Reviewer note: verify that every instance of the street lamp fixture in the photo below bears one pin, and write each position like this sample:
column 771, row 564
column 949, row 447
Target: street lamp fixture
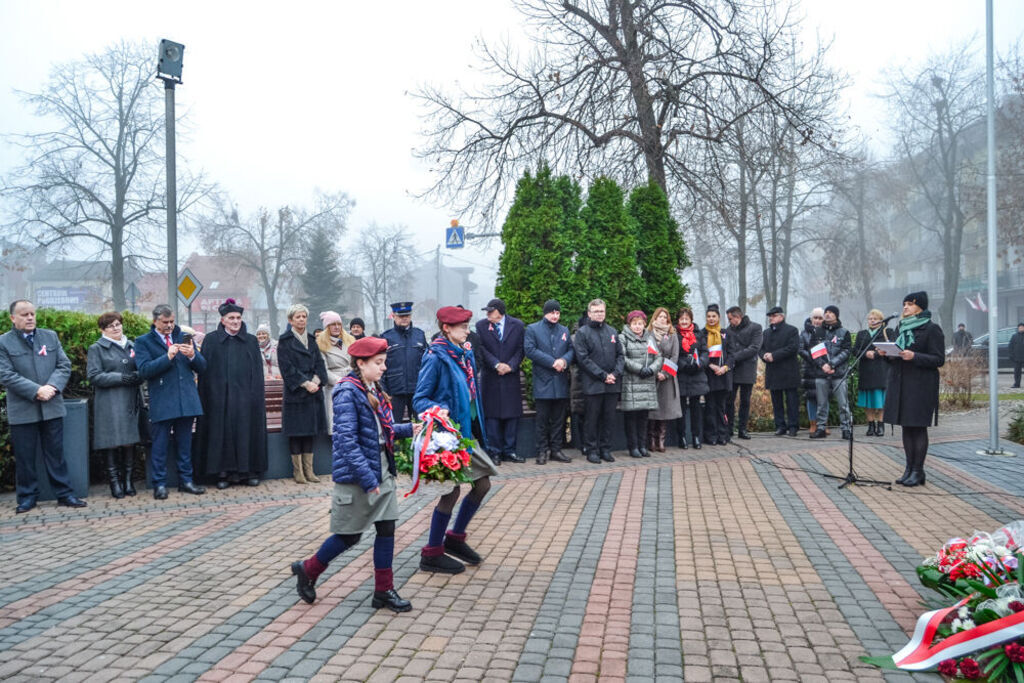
column 168, row 69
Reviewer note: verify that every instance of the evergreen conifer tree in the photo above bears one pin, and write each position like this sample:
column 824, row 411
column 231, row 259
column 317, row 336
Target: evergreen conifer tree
column 661, row 253
column 321, row 280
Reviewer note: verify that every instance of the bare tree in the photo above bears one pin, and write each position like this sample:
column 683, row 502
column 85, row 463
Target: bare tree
column 272, row 243
column 615, row 87
column 936, row 108
column 97, row 180
column 384, row 256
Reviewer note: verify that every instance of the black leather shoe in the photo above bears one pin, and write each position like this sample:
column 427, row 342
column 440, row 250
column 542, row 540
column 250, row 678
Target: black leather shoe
column 512, row 457
column 25, row 505
column 635, row 453
column 592, row 457
column 847, row 434
column 682, row 443
column 743, row 435
column 222, row 484
column 189, row 487
column 441, row 564
column 820, row 434
column 71, row 501
column 559, row 456
column 607, row 456
column 696, row 443
column 252, row 482
column 644, row 453
column 390, row 599
column 461, row 550
column 305, row 587
column 160, row 493
column 781, row 431
column 793, row 431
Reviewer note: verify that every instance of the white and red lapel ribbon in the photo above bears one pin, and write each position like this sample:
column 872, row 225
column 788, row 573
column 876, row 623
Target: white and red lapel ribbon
column 421, row 442
column 919, row 654
column 42, row 351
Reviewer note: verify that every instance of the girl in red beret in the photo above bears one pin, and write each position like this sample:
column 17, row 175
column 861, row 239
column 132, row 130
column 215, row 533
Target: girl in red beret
column 447, row 380
column 364, row 472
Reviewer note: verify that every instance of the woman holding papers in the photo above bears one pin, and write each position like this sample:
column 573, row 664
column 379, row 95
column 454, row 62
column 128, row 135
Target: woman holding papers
column 693, row 382
column 716, row 429
column 912, row 393
column 873, row 371
column 668, row 388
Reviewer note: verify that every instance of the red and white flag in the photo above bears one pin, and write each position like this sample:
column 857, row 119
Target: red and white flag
column 715, row 351
column 670, row 368
column 652, row 348
column 819, row 350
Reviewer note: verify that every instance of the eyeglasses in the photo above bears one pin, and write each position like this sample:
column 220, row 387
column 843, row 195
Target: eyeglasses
column 116, row 323
column 817, row 317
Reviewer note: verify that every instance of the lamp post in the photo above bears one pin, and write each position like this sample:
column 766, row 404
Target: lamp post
column 168, row 69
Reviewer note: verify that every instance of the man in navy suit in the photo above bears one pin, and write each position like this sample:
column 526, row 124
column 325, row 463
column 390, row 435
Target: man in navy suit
column 501, row 348
column 167, row 362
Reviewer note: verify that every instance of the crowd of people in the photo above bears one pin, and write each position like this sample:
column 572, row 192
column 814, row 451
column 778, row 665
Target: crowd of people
column 367, row 391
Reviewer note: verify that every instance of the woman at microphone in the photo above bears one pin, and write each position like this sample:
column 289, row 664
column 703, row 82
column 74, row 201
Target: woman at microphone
column 912, row 392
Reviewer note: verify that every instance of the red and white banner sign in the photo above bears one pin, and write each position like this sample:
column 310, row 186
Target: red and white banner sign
column 670, row 368
column 819, row 350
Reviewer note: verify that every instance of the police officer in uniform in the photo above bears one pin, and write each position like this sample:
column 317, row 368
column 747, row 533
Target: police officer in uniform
column 406, row 345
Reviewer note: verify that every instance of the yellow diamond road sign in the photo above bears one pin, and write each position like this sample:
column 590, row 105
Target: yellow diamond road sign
column 189, row 287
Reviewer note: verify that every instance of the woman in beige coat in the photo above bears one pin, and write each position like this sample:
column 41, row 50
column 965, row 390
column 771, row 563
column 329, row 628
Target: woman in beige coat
column 669, row 407
column 334, row 341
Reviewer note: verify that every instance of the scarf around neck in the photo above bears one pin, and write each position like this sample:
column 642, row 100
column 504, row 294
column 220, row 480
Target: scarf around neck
column 459, row 356
column 122, row 342
column 907, row 327
column 688, row 337
column 660, row 331
column 383, row 410
column 714, row 334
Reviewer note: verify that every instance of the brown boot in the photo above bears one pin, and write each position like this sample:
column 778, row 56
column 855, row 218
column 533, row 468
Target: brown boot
column 307, row 468
column 662, row 428
column 652, row 435
column 297, row 470
column 814, row 426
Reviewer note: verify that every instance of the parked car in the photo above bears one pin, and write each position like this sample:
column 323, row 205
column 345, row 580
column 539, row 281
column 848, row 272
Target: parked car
column 980, row 346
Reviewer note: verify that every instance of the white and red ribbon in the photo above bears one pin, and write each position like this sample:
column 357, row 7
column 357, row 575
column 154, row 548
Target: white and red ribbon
column 421, row 442
column 919, row 654
column 42, row 351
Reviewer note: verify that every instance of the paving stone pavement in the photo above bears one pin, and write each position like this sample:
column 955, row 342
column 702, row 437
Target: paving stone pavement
column 734, row 563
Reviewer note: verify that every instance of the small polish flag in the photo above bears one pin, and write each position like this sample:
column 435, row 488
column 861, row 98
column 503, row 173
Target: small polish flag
column 670, row 368
column 715, row 351
column 652, row 348
column 42, row 351
column 819, row 350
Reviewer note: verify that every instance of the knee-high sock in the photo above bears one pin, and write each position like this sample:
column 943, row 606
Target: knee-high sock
column 466, row 512
column 383, row 552
column 331, row 548
column 438, row 525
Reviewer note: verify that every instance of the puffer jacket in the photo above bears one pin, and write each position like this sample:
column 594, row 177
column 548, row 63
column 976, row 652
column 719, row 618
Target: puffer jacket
column 356, row 443
column 639, row 393
column 809, row 338
column 839, row 343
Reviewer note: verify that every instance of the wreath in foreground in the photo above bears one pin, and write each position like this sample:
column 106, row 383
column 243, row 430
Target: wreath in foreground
column 438, row 453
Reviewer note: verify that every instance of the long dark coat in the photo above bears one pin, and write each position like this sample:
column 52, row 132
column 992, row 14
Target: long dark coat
column 912, row 394
column 233, row 429
column 502, row 394
column 720, row 382
column 546, row 342
column 115, row 405
column 809, row 338
column 783, row 342
column 693, row 381
column 873, row 373
column 746, row 343
column 599, row 352
column 303, row 413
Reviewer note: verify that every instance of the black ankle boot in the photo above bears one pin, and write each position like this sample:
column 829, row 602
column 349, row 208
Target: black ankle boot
column 871, row 429
column 127, row 464
column 906, row 471
column 116, row 488
column 916, row 477
column 392, row 600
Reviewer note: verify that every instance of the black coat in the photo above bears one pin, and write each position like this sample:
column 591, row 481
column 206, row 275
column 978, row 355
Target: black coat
column 1017, row 347
column 912, row 393
column 303, row 413
column 502, row 394
column 783, row 342
column 809, row 338
column 720, row 382
column 546, row 342
column 873, row 373
column 746, row 343
column 839, row 343
column 233, row 428
column 691, row 376
column 599, row 352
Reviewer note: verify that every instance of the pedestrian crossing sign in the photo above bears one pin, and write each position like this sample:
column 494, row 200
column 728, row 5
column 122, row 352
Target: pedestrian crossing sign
column 455, row 237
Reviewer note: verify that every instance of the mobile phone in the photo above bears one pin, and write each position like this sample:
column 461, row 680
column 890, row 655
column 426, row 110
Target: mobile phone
column 186, row 339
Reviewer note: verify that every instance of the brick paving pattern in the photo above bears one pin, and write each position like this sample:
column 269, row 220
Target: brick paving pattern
column 736, row 563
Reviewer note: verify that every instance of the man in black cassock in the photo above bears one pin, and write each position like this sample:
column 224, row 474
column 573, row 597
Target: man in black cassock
column 233, row 429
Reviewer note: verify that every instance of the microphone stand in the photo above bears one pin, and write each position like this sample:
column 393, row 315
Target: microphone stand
column 851, row 476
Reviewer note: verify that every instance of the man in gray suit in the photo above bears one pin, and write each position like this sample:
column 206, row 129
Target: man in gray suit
column 34, row 370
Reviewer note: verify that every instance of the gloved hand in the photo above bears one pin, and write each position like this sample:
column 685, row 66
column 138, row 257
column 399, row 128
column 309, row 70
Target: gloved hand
column 646, row 372
column 131, row 378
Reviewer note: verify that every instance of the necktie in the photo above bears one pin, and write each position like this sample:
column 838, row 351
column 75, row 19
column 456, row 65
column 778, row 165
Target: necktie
column 167, row 339
column 30, row 339
column 499, row 332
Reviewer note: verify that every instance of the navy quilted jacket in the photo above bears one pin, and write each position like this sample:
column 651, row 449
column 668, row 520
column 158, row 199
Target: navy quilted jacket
column 356, row 447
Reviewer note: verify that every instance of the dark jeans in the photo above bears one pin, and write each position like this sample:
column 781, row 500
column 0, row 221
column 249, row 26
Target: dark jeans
column 550, row 423
column 715, row 426
column 597, row 424
column 691, row 405
column 501, row 434
column 161, row 432
column 25, row 438
column 1017, row 367
column 636, row 428
column 400, row 403
column 786, row 406
column 744, row 418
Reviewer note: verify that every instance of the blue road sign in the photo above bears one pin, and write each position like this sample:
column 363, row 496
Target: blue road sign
column 455, row 238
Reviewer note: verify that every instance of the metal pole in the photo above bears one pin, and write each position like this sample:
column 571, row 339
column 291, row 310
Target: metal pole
column 437, row 271
column 993, row 292
column 172, row 201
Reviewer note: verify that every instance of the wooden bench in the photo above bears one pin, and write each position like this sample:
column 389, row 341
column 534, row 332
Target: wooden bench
column 274, row 390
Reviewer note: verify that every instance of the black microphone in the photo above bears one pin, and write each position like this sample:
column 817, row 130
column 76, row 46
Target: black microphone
column 894, row 315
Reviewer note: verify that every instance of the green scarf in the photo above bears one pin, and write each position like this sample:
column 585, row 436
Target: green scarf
column 907, row 325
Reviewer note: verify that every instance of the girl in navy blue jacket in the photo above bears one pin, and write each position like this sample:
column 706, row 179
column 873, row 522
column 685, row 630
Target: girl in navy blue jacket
column 448, row 380
column 364, row 475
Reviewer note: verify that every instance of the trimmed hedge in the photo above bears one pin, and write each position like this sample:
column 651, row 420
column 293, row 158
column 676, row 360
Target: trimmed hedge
column 77, row 331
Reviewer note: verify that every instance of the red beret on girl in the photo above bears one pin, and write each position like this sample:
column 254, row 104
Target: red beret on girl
column 453, row 315
column 367, row 347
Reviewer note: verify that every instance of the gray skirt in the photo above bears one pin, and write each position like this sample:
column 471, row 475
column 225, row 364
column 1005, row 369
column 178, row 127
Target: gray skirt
column 480, row 465
column 354, row 511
